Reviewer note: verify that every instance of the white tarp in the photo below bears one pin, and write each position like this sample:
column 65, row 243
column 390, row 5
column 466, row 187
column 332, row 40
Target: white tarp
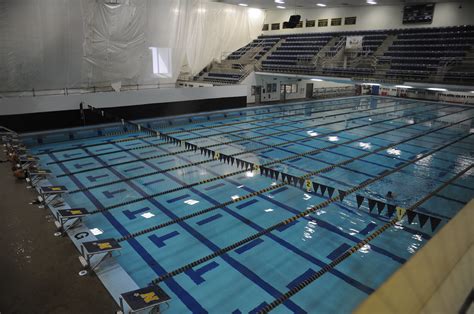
column 53, row 44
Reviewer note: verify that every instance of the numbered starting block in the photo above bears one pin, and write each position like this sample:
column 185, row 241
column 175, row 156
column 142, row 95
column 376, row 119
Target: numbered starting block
column 91, row 248
column 36, row 175
column 148, row 298
column 27, row 161
column 50, row 195
column 72, row 214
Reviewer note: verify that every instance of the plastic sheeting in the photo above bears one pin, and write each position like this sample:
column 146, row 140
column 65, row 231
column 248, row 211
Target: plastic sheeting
column 53, row 44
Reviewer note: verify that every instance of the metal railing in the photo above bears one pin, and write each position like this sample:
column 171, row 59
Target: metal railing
column 82, row 90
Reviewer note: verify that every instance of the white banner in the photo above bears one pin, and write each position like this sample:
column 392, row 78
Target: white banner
column 354, row 42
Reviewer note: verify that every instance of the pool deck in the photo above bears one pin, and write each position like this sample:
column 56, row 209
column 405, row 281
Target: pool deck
column 39, row 271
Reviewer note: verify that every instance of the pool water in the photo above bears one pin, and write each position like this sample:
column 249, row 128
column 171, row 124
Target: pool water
column 254, row 274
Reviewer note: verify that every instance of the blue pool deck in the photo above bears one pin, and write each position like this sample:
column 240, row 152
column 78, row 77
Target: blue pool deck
column 254, row 274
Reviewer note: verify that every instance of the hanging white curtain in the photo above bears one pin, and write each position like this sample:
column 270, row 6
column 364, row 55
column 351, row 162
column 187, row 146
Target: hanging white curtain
column 55, row 44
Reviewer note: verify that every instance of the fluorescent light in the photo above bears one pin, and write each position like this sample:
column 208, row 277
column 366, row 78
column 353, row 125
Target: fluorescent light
column 320, row 4
column 371, row 2
column 317, row 80
column 280, row 7
column 472, row 92
column 437, row 89
column 375, row 84
column 403, row 86
column 279, row 1
column 243, row 4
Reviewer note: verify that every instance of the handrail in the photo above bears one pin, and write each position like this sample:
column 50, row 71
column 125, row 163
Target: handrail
column 82, row 90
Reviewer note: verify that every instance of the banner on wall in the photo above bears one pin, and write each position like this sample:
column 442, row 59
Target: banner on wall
column 354, row 42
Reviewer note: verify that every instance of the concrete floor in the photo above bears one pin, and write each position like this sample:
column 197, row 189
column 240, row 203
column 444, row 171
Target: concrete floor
column 38, row 272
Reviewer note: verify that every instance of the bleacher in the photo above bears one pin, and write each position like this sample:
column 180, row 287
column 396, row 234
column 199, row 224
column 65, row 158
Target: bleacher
column 429, row 54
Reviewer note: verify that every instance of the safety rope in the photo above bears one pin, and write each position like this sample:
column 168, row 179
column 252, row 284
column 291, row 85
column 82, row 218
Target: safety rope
column 301, row 285
column 245, row 152
column 339, row 197
column 298, row 180
column 104, row 114
column 223, row 133
column 236, row 141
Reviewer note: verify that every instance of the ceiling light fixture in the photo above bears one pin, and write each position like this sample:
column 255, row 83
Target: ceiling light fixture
column 371, row 2
column 316, row 80
column 280, row 7
column 243, row 4
column 279, row 1
column 320, row 4
column 403, row 86
column 436, row 89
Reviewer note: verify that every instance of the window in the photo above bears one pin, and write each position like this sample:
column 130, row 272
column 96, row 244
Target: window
column 289, row 88
column 323, row 23
column 265, row 27
column 271, row 88
column 336, row 21
column 351, row 20
column 161, row 57
column 310, row 23
column 275, row 26
column 300, row 24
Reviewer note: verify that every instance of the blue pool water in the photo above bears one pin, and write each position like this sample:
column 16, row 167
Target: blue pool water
column 256, row 273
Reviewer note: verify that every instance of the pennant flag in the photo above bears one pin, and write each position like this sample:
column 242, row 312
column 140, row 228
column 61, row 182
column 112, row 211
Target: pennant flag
column 283, row 177
column 400, row 213
column 309, row 185
column 434, row 222
column 342, row 194
column 301, row 181
column 380, row 207
column 266, row 172
column 330, row 191
column 201, row 150
column 277, row 174
column 360, row 200
column 423, row 219
column 272, row 173
column 371, row 204
column 237, row 162
column 315, row 187
column 323, row 189
column 390, row 210
column 411, row 215
column 262, row 170
column 232, row 159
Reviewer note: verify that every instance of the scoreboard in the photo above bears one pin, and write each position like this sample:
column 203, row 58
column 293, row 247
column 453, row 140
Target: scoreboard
column 420, row 13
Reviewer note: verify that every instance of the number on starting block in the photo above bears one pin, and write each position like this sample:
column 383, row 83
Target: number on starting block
column 145, row 298
column 101, row 246
column 73, row 212
column 55, row 189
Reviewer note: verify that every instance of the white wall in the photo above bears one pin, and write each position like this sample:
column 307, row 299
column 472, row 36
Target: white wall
column 20, row 105
column 371, row 17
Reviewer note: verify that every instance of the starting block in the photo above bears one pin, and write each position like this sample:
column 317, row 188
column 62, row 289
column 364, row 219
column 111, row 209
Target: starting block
column 26, row 161
column 48, row 194
column 65, row 215
column 148, row 298
column 91, row 248
column 36, row 175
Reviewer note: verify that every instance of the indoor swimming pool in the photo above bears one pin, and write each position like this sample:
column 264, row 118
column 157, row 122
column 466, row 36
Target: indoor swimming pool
column 228, row 176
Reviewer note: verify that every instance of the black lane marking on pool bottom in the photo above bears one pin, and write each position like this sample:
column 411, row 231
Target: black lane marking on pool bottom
column 187, row 299
column 285, row 178
column 148, row 136
column 280, row 241
column 229, row 142
column 304, row 282
column 232, row 156
column 241, row 130
column 239, row 267
column 263, row 168
column 339, row 197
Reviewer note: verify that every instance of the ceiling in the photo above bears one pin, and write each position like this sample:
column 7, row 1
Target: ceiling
column 290, row 4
